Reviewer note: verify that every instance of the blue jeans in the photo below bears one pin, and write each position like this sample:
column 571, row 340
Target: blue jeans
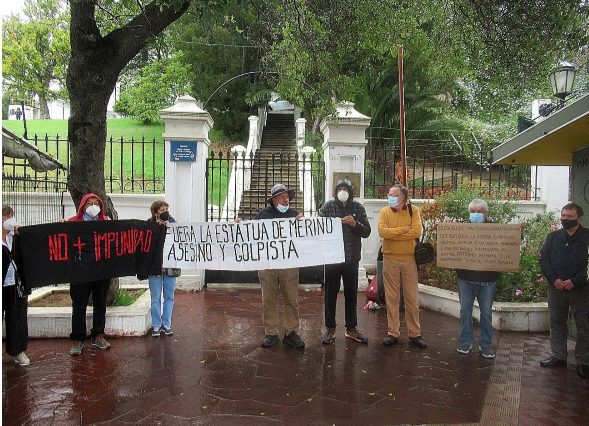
column 156, row 282
column 484, row 292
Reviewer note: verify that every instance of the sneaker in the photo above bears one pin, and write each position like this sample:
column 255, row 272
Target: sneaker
column 76, row 347
column 22, row 359
column 329, row 336
column 269, row 340
column 168, row 330
column 487, row 351
column 100, row 342
column 354, row 334
column 464, row 348
column 293, row 340
column 156, row 332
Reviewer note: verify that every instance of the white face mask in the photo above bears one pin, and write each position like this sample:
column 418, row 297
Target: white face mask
column 343, row 196
column 93, row 211
column 9, row 224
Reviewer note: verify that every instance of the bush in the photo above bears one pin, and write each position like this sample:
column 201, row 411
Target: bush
column 528, row 285
column 123, row 298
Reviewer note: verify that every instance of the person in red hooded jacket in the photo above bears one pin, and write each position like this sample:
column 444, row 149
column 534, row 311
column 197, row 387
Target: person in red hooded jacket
column 91, row 208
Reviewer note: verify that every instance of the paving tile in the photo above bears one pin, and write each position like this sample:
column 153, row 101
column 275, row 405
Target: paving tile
column 212, row 371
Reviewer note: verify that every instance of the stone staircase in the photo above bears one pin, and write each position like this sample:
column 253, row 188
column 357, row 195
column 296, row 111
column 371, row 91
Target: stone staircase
column 275, row 162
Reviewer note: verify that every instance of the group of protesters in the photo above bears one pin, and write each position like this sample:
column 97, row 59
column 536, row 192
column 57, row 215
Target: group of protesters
column 564, row 262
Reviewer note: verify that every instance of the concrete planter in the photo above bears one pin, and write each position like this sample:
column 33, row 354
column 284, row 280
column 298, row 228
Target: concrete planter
column 133, row 320
column 506, row 316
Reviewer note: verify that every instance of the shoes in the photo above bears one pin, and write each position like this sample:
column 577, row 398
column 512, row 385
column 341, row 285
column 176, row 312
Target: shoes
column 553, row 362
column 487, row 351
column 156, row 332
column 23, row 359
column 270, row 340
column 293, row 340
column 418, row 341
column 329, row 336
column 168, row 330
column 390, row 340
column 464, row 348
column 76, row 347
column 582, row 370
column 99, row 342
column 354, row 334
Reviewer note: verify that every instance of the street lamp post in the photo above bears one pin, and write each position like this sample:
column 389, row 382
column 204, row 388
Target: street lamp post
column 562, row 80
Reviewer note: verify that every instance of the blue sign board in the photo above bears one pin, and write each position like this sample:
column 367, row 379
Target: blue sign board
column 182, row 151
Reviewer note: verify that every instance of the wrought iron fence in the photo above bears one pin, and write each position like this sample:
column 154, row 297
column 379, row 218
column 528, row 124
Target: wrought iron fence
column 238, row 184
column 135, row 166
column 435, row 167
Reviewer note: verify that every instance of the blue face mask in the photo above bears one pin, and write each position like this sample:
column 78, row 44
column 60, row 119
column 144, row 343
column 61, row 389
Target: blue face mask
column 393, row 201
column 477, row 218
column 281, row 208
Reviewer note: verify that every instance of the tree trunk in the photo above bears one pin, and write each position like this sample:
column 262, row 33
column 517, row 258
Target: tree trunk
column 44, row 109
column 94, row 68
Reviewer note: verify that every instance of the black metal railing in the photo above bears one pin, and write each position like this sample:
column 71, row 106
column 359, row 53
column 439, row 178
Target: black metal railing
column 135, row 166
column 238, row 184
column 436, row 167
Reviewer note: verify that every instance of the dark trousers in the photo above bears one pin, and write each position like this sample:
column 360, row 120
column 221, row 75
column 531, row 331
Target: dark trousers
column 80, row 294
column 559, row 302
column 333, row 273
column 14, row 309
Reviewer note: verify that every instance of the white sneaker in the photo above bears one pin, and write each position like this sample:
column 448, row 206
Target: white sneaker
column 22, row 359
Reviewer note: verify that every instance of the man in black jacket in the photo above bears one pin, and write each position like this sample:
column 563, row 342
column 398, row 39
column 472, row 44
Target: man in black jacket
column 564, row 261
column 355, row 227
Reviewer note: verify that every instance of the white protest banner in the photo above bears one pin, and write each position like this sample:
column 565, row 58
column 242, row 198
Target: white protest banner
column 255, row 244
column 479, row 247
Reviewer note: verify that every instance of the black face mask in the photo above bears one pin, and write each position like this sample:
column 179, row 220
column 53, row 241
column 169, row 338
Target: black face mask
column 568, row 223
column 164, row 216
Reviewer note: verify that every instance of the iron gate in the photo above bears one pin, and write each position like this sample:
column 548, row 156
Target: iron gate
column 238, row 186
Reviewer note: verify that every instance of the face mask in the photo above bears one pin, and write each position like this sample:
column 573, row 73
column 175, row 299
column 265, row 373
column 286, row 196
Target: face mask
column 477, row 218
column 281, row 208
column 393, row 201
column 568, row 223
column 343, row 196
column 165, row 216
column 9, row 224
column 93, row 211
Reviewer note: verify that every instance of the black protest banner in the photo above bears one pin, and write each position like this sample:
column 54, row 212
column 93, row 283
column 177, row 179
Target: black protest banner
column 88, row 251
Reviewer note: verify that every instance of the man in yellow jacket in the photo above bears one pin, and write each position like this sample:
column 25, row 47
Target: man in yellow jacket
column 399, row 227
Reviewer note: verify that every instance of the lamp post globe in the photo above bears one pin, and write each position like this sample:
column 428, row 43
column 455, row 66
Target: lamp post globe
column 562, row 79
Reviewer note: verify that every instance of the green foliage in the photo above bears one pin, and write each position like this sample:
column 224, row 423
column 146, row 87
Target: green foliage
column 454, row 204
column 217, row 51
column 36, row 51
column 528, row 285
column 123, row 298
column 157, row 87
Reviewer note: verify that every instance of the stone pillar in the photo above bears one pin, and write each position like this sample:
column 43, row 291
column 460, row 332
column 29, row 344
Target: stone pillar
column 300, row 127
column 344, row 144
column 185, row 181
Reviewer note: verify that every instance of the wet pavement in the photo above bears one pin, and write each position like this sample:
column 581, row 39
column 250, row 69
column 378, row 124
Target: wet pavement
column 212, row 371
